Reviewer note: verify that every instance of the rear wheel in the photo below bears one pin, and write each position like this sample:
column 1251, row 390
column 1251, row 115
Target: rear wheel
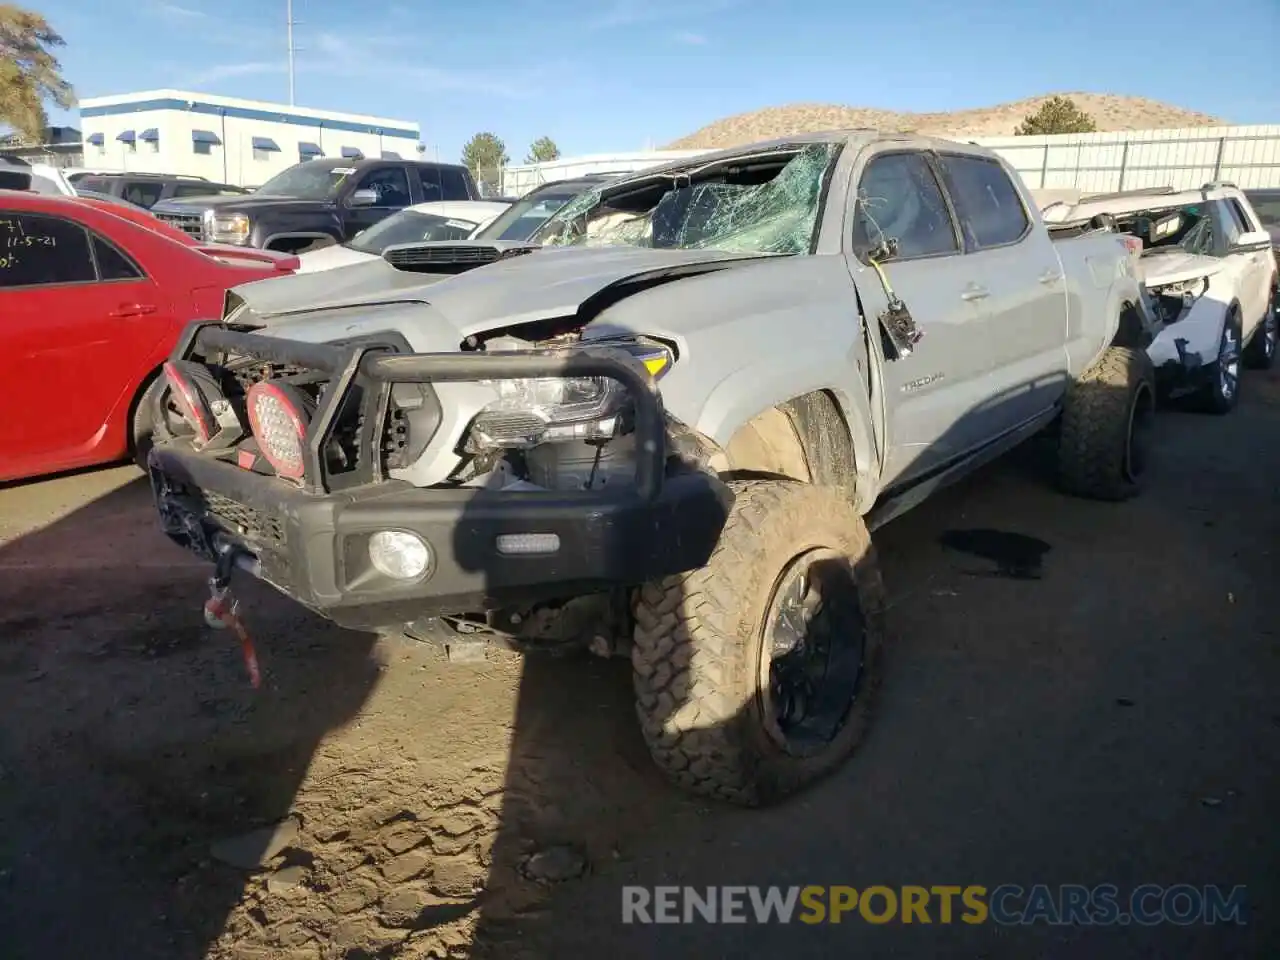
column 1102, row 445
column 754, row 674
column 155, row 418
column 1261, row 352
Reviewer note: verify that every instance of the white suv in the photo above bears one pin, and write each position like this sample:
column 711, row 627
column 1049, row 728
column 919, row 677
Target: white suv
column 1207, row 265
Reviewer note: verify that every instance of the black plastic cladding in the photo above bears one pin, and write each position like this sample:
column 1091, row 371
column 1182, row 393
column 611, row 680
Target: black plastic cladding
column 346, row 362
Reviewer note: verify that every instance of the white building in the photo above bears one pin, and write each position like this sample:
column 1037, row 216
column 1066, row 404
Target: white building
column 229, row 140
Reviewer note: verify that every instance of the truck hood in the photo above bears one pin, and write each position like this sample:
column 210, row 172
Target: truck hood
column 536, row 286
column 1161, row 268
column 250, row 204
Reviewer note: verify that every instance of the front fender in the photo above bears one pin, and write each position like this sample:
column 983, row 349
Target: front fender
column 758, row 387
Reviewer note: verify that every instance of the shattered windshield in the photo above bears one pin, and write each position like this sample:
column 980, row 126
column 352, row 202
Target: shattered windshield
column 1188, row 229
column 751, row 204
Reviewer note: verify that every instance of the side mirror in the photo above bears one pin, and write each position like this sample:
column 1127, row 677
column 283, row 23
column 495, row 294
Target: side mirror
column 364, row 198
column 1253, row 240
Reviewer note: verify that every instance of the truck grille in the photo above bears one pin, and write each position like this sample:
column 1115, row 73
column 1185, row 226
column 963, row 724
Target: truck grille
column 189, row 223
column 250, row 523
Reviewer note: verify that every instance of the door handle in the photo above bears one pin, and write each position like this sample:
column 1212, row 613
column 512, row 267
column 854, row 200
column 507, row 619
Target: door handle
column 1050, row 276
column 131, row 310
column 975, row 292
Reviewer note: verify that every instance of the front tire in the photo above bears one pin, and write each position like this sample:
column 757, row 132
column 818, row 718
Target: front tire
column 1102, row 443
column 1221, row 391
column 754, row 674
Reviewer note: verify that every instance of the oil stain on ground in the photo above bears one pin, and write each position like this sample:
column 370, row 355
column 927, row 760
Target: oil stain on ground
column 1016, row 556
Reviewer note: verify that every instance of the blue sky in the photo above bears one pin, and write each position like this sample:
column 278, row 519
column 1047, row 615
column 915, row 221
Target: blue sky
column 621, row 74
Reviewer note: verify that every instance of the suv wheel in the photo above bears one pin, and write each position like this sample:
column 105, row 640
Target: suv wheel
column 1261, row 352
column 1102, row 446
column 1221, row 391
column 754, row 674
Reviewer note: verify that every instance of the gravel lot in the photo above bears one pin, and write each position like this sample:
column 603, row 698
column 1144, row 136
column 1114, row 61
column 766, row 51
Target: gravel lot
column 1101, row 707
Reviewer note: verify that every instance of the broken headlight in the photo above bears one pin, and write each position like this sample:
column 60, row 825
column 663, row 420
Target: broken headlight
column 559, row 409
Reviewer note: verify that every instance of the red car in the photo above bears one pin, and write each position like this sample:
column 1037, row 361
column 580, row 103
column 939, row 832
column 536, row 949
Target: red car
column 91, row 303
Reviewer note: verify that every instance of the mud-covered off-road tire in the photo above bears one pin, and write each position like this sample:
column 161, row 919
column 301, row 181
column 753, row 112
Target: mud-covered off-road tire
column 1100, row 445
column 699, row 643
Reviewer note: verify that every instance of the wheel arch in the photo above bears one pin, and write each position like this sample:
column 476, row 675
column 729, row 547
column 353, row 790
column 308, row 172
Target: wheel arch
column 806, row 438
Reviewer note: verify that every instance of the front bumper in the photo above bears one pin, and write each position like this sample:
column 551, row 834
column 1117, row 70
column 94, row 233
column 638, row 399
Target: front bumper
column 312, row 543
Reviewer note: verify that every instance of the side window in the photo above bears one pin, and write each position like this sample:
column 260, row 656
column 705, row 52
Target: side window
column 112, row 263
column 432, row 187
column 39, row 250
column 987, row 204
column 94, row 184
column 1231, row 225
column 899, row 199
column 145, row 193
column 455, row 184
column 391, row 185
column 1246, row 224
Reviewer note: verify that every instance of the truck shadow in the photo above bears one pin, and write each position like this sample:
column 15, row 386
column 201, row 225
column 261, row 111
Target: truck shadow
column 133, row 748
column 600, row 806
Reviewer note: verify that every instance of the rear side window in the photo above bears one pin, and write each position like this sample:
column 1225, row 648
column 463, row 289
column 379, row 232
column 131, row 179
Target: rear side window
column 1246, row 225
column 987, row 203
column 899, row 199
column 143, row 192
column 112, row 264
column 432, row 188
column 454, row 184
column 94, row 185
column 38, row 250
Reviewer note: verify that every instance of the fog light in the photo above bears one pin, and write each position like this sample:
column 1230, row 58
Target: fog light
column 527, row 543
column 399, row 555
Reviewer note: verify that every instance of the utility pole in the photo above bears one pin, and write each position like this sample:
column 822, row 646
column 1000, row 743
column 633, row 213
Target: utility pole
column 288, row 16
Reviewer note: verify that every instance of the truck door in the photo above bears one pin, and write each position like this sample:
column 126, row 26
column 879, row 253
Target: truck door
column 1013, row 260
column 381, row 192
column 932, row 396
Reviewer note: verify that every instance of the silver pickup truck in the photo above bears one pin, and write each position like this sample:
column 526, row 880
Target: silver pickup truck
column 674, row 415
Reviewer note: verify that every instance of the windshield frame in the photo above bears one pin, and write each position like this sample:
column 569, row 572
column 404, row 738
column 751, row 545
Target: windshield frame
column 309, row 168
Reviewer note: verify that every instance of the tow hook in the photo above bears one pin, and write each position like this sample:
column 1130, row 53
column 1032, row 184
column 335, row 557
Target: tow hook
column 221, row 610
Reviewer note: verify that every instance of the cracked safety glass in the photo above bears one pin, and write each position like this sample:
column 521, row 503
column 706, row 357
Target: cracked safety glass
column 763, row 204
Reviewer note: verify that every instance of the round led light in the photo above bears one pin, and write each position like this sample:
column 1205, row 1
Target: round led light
column 399, row 555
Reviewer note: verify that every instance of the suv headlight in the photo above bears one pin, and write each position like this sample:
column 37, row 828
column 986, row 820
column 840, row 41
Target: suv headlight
column 226, row 227
column 558, row 409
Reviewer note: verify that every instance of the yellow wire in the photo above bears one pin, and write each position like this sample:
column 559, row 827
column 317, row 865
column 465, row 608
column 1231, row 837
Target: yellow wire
column 884, row 280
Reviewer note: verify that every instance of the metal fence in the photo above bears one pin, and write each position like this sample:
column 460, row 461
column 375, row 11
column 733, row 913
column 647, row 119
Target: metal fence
column 1092, row 162
column 1127, row 160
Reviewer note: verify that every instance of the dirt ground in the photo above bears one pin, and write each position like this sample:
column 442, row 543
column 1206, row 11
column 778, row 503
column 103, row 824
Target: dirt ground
column 1093, row 699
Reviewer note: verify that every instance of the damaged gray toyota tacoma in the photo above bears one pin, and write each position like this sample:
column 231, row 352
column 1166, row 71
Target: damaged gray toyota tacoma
column 672, row 417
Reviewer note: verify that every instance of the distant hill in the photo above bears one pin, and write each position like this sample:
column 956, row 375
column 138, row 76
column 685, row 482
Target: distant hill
column 1109, row 111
